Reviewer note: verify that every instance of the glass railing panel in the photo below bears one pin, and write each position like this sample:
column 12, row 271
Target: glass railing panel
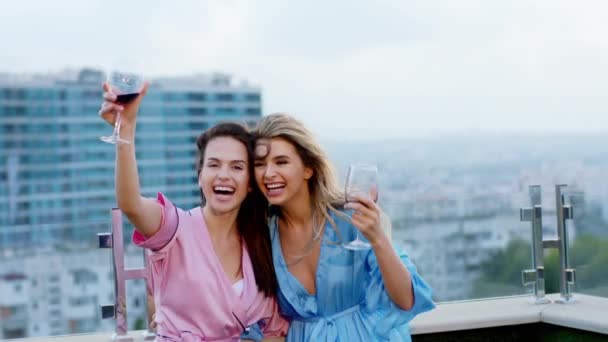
column 588, row 240
column 53, row 279
column 465, row 246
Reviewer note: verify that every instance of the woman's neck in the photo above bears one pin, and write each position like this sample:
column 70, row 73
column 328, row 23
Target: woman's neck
column 221, row 226
column 298, row 212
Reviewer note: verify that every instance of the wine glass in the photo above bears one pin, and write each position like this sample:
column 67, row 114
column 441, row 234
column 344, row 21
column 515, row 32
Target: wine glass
column 126, row 86
column 362, row 181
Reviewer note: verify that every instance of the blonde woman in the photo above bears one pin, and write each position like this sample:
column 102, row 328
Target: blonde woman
column 330, row 293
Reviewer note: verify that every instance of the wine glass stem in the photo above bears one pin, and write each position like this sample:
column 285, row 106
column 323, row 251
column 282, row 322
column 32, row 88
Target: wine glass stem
column 117, row 125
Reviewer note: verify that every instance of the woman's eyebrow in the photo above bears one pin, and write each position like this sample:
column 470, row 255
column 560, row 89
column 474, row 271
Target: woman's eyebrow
column 230, row 161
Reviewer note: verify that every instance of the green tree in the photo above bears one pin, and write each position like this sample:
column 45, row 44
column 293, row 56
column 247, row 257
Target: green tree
column 501, row 272
column 140, row 324
column 504, row 266
column 588, row 255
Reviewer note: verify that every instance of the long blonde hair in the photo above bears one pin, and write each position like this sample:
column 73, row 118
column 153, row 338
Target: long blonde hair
column 325, row 194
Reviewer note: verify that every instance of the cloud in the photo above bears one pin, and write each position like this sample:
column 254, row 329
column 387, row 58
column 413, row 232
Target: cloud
column 358, row 68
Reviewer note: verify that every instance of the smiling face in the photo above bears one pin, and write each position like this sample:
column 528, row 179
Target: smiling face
column 224, row 176
column 280, row 172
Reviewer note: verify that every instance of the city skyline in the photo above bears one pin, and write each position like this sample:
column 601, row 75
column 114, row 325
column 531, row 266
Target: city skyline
column 421, row 69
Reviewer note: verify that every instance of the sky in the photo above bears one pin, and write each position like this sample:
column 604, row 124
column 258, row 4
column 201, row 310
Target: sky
column 353, row 70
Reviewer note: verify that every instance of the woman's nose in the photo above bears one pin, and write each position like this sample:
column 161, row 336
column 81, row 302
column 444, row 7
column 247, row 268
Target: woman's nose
column 223, row 172
column 269, row 171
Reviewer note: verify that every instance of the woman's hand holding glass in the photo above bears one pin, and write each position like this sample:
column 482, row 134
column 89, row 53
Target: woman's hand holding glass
column 112, row 109
column 367, row 217
column 361, row 194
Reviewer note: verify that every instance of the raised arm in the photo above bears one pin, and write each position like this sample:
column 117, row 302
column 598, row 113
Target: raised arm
column 144, row 213
column 367, row 217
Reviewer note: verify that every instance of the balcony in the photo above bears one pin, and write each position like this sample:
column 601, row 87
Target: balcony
column 474, row 303
column 514, row 319
column 501, row 319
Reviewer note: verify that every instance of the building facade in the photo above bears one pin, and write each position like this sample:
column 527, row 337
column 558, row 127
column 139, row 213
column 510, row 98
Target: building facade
column 56, row 176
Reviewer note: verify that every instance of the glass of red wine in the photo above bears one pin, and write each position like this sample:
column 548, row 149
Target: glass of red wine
column 126, row 86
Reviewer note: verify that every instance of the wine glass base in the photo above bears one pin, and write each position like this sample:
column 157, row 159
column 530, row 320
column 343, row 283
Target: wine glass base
column 112, row 139
column 357, row 245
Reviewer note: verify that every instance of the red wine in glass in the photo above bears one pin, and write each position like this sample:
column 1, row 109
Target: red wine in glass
column 126, row 86
column 126, row 98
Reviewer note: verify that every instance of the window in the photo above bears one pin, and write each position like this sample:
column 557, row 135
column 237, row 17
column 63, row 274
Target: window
column 252, row 111
column 197, row 96
column 91, row 94
column 84, row 276
column 197, row 111
column 81, row 301
column 252, row 97
column 224, row 97
column 19, row 94
column 225, row 111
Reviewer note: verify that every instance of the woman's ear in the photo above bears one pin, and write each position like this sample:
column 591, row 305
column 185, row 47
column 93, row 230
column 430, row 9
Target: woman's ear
column 308, row 173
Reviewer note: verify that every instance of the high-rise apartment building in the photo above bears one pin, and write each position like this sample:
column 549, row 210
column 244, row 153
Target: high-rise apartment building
column 56, row 176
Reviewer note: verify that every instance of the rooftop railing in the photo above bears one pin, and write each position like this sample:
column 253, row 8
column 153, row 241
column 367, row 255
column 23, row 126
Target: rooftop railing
column 561, row 287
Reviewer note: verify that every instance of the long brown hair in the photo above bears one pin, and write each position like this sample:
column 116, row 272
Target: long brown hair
column 251, row 220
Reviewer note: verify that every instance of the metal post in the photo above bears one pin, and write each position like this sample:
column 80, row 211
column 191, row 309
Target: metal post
column 567, row 274
column 536, row 275
column 114, row 240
